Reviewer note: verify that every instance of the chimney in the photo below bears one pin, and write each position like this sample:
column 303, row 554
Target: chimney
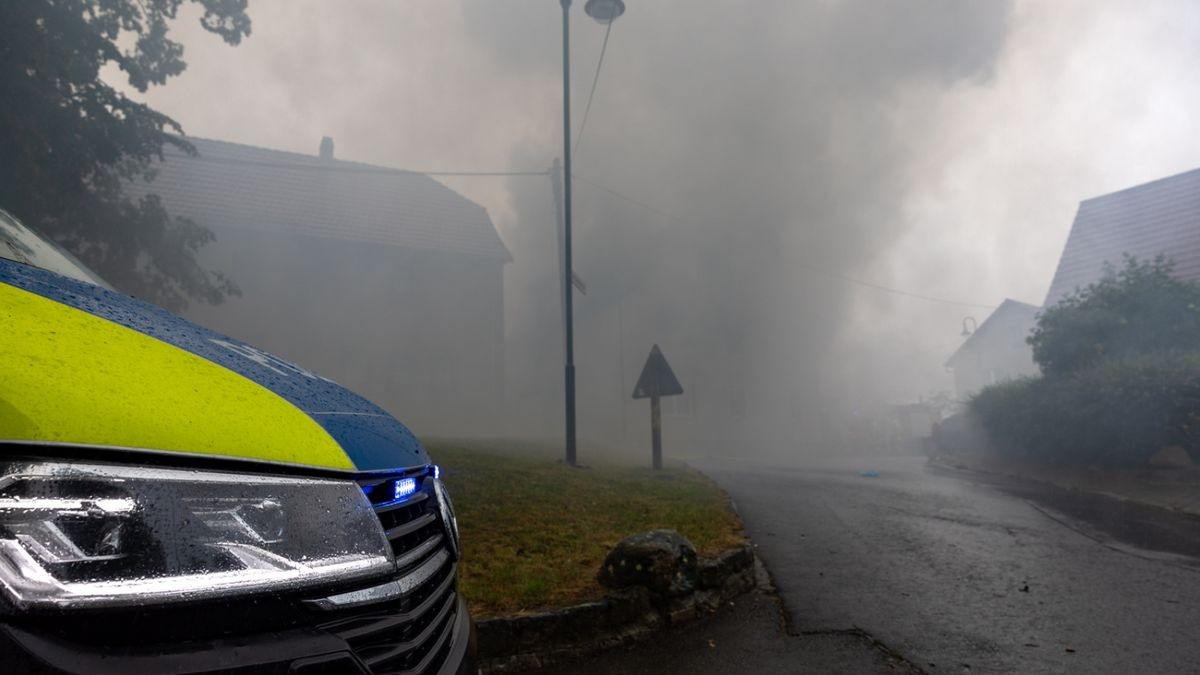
column 326, row 148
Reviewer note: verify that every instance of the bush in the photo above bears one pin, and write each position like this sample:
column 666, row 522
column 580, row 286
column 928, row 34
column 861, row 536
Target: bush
column 1138, row 310
column 1116, row 412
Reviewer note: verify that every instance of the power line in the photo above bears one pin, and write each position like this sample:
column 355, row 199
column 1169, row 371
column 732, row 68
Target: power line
column 595, row 79
column 895, row 291
column 809, row 268
column 366, row 169
column 342, row 167
column 482, row 173
column 631, row 200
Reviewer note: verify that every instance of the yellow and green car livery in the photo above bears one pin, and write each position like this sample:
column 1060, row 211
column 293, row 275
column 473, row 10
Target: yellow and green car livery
column 87, row 366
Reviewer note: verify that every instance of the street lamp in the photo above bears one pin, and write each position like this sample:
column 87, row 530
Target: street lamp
column 604, row 11
column 974, row 326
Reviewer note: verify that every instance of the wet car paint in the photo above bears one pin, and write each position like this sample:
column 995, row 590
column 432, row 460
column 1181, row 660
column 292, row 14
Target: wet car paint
column 370, row 438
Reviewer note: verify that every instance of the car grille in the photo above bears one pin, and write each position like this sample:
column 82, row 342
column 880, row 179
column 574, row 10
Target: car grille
column 404, row 625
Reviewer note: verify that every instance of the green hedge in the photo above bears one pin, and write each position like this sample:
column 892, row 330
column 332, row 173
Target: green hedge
column 1118, row 412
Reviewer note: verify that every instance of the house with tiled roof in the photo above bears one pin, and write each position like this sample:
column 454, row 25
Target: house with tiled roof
column 995, row 351
column 384, row 280
column 1161, row 217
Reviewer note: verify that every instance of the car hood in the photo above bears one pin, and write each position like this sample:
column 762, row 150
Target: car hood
column 83, row 365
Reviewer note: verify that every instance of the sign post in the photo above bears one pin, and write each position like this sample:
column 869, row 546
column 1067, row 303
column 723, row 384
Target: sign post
column 656, row 430
column 657, row 380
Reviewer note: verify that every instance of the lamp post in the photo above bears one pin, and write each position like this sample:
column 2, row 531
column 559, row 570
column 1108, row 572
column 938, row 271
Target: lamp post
column 603, row 11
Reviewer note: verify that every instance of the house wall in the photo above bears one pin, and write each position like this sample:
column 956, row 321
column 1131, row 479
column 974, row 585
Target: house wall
column 420, row 333
column 999, row 355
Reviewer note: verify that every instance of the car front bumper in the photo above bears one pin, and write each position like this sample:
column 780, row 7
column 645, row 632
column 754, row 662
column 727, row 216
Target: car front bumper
column 302, row 651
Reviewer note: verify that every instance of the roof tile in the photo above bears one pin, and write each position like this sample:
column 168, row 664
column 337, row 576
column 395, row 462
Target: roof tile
column 1160, row 217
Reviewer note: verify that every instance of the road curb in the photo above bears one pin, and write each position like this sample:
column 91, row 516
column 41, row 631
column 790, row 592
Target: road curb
column 960, row 466
column 531, row 641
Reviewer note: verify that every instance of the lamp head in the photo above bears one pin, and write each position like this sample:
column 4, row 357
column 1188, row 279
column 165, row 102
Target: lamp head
column 604, row 11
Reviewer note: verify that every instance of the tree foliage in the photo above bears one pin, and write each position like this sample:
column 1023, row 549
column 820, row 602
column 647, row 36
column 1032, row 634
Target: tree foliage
column 1121, row 374
column 1138, row 309
column 71, row 140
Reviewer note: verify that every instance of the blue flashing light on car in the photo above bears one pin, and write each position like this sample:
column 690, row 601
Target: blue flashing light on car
column 404, row 487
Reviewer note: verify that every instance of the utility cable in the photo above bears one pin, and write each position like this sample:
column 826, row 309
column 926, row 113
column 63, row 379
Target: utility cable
column 809, row 268
column 344, row 167
column 366, row 169
column 595, row 80
column 896, row 291
column 631, row 200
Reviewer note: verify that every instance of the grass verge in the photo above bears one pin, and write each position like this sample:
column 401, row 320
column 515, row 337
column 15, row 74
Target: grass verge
column 534, row 532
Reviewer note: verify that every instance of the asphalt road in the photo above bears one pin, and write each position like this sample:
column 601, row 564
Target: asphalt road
column 918, row 570
column 961, row 577
column 745, row 638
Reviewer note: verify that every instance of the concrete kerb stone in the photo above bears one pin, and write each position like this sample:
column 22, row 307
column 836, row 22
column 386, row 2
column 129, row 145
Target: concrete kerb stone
column 531, row 641
column 1179, row 496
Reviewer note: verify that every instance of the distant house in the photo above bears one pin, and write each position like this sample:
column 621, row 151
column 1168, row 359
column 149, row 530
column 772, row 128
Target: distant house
column 996, row 351
column 384, row 280
column 1160, row 217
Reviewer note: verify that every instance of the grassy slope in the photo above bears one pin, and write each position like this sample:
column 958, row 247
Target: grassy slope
column 534, row 532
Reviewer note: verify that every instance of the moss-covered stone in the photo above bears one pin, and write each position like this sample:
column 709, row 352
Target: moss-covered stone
column 662, row 561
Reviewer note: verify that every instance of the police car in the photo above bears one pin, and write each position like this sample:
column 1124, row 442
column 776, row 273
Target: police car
column 174, row 500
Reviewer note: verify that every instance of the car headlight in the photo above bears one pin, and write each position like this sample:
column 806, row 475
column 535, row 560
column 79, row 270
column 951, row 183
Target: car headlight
column 87, row 535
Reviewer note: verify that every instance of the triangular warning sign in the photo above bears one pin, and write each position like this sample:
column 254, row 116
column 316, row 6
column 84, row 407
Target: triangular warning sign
column 657, row 379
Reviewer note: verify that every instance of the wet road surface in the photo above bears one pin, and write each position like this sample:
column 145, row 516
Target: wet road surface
column 923, row 570
column 963, row 577
column 745, row 638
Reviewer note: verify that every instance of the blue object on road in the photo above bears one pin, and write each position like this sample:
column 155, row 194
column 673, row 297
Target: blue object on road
column 870, row 473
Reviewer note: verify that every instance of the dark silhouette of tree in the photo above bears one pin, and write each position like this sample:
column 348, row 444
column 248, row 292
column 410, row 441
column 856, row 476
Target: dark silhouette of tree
column 69, row 140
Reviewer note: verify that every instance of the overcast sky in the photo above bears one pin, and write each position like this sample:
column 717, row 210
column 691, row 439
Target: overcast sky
column 937, row 147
